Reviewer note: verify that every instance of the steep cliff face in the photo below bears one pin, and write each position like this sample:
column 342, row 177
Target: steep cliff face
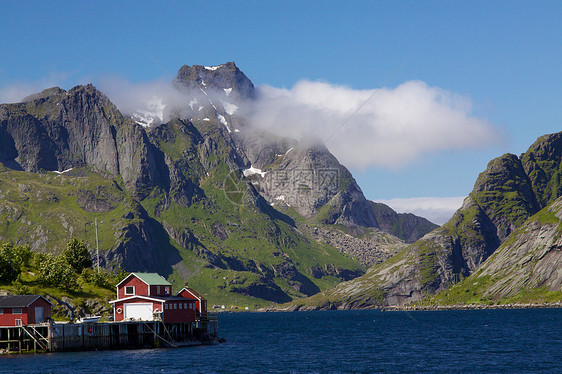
column 527, row 267
column 531, row 259
column 500, row 209
column 56, row 130
column 502, row 200
column 310, row 180
column 59, row 130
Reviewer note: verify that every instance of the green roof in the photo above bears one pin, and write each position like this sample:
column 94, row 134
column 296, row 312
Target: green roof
column 153, row 279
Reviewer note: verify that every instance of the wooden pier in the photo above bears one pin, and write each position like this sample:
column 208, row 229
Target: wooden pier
column 62, row 337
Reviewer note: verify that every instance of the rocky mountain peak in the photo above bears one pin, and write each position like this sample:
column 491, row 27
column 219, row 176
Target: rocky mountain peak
column 46, row 93
column 226, row 77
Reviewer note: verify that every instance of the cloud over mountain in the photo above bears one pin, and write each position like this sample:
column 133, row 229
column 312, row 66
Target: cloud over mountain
column 385, row 127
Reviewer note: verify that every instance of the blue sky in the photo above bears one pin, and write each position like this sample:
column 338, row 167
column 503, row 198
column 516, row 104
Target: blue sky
column 504, row 57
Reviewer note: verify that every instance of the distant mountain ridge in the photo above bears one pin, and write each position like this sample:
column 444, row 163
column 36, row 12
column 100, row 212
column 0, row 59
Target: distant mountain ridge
column 71, row 156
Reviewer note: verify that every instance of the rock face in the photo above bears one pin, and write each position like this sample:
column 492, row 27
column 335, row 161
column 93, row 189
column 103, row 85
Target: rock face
column 59, row 130
column 498, row 210
column 218, row 78
column 530, row 259
column 309, row 179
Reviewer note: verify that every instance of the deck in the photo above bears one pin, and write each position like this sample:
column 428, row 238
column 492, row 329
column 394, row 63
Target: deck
column 62, row 337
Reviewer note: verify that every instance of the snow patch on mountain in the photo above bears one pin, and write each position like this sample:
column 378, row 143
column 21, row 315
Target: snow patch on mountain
column 192, row 102
column 212, row 68
column 223, row 121
column 229, row 107
column 62, row 172
column 252, row 171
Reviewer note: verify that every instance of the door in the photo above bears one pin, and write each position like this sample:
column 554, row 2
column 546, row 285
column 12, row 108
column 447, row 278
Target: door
column 39, row 314
column 138, row 311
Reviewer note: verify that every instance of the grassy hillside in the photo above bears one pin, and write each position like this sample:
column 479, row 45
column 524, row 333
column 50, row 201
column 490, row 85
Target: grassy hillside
column 234, row 253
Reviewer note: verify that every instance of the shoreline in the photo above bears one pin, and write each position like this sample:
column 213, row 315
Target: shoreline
column 471, row 307
column 410, row 308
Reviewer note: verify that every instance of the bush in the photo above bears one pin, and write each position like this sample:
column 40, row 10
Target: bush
column 20, row 288
column 105, row 278
column 77, row 255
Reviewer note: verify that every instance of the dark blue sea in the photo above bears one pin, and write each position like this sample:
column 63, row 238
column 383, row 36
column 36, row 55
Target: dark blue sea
column 490, row 341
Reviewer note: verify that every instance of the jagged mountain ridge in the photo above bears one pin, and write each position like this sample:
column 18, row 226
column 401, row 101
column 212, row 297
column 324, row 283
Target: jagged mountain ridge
column 503, row 211
column 161, row 190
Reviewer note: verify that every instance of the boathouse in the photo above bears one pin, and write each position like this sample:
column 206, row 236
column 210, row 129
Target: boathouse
column 18, row 310
column 147, row 297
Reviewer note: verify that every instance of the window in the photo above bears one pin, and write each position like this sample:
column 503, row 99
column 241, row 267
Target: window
column 175, row 306
column 167, row 289
column 165, row 306
column 185, row 306
column 16, row 311
column 129, row 290
column 180, row 305
column 158, row 290
column 1, row 311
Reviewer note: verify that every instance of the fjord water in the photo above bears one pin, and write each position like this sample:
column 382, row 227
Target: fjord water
column 365, row 341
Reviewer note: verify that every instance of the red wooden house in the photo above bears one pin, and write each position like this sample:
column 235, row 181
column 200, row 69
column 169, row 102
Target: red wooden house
column 200, row 303
column 148, row 297
column 17, row 310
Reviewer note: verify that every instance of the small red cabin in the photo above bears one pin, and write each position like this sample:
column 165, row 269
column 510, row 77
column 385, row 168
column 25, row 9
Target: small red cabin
column 148, row 297
column 200, row 303
column 17, row 310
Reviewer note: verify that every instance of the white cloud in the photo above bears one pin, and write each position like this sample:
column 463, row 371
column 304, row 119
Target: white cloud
column 157, row 100
column 389, row 127
column 392, row 128
column 436, row 209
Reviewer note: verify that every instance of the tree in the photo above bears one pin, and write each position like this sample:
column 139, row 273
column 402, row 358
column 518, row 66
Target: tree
column 77, row 255
column 56, row 271
column 9, row 266
column 22, row 255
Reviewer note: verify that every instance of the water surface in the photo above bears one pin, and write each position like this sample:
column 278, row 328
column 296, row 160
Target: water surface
column 508, row 341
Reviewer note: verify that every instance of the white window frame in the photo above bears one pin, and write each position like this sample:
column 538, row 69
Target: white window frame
column 128, row 293
column 17, row 311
